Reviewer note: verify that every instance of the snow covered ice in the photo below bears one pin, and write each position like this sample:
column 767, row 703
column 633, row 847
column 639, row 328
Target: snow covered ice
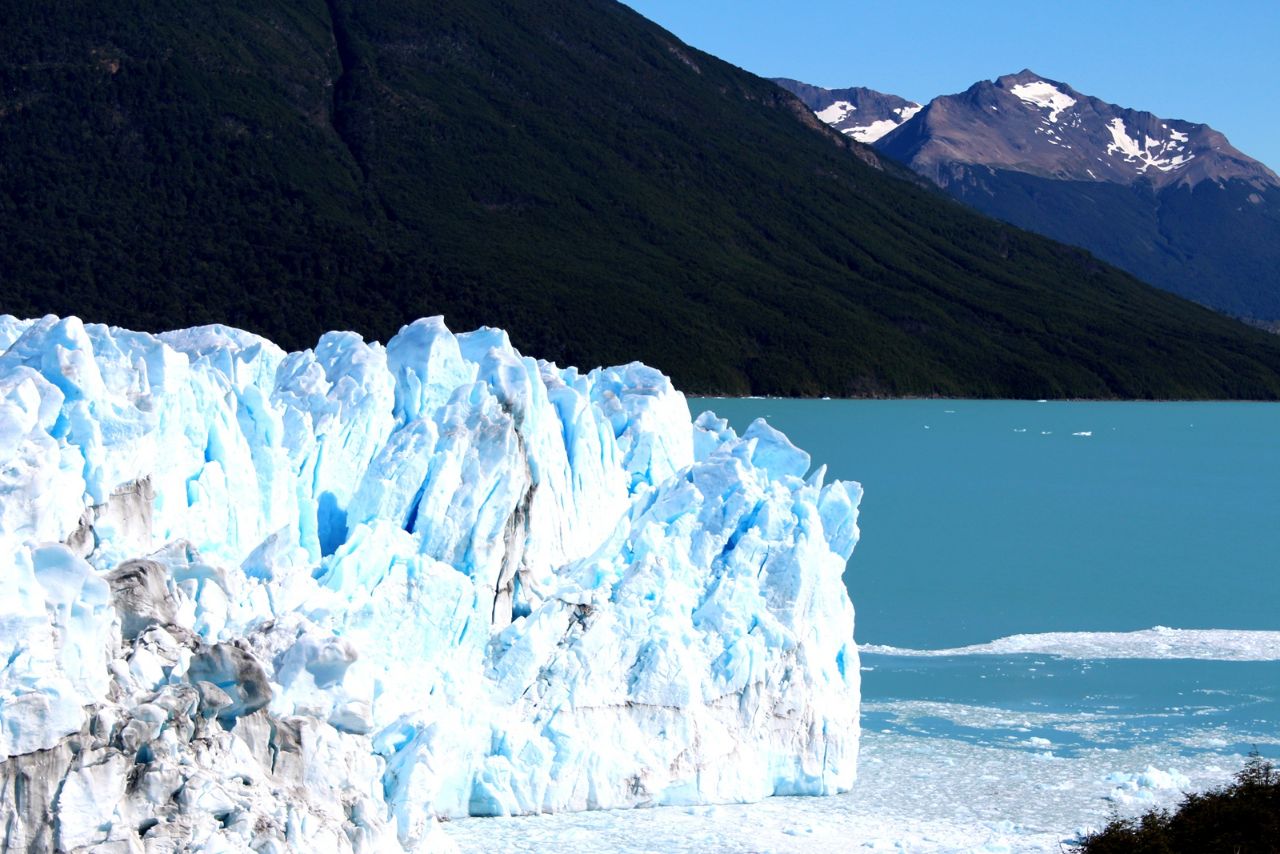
column 318, row 600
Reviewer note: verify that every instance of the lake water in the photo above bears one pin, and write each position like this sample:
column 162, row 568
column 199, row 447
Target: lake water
column 986, row 519
column 1064, row 609
column 989, row 518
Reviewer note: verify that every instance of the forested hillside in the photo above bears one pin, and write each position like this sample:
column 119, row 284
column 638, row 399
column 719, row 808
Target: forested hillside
column 564, row 169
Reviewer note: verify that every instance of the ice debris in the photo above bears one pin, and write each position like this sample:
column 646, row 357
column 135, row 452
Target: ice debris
column 318, row 600
column 1143, row 786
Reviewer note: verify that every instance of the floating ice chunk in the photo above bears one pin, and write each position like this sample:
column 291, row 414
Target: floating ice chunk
column 1158, row 642
column 872, row 132
column 1143, row 786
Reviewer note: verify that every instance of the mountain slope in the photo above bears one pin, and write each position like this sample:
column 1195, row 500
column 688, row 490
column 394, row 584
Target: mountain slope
column 567, row 170
column 1172, row 202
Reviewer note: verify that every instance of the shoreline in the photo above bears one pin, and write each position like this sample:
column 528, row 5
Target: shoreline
column 908, row 398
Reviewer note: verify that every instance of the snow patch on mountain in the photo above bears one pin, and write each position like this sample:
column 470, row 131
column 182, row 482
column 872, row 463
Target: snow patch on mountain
column 836, row 113
column 860, row 113
column 1143, row 155
column 870, row 133
column 315, row 600
column 1043, row 94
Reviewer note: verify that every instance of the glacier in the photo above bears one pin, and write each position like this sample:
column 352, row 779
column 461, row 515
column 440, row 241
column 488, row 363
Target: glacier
column 270, row 601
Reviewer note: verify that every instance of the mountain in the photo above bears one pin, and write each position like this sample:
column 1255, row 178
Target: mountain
column 566, row 170
column 1026, row 123
column 1171, row 201
column 861, row 113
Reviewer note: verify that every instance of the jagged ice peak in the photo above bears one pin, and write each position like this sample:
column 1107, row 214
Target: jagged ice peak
column 316, row 600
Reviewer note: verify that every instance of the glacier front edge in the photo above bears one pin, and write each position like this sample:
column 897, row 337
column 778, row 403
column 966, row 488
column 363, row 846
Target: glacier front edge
column 321, row 599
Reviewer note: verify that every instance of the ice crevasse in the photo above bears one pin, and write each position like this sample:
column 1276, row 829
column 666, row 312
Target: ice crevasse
column 257, row 600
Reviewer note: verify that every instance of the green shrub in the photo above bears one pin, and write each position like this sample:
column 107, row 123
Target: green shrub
column 1240, row 818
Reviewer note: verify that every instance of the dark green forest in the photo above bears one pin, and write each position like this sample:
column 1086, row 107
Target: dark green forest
column 564, row 169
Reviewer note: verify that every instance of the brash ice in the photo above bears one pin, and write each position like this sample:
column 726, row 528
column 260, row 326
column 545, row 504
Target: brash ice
column 318, row 600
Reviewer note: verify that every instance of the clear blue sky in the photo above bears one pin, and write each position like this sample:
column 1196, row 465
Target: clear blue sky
column 1216, row 62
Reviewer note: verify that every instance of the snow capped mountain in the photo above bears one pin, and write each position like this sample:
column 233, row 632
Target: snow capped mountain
column 1170, row 201
column 1030, row 124
column 312, row 601
column 863, row 114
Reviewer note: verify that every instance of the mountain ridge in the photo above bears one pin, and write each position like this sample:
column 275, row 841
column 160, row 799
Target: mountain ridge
column 1070, row 133
column 857, row 112
column 1170, row 201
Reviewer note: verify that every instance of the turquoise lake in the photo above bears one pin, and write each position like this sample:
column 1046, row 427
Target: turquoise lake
column 1008, row 584
column 986, row 519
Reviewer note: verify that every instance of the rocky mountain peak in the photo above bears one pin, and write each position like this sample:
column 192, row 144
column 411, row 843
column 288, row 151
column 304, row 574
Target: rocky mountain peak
column 1029, row 123
column 858, row 112
column 1171, row 201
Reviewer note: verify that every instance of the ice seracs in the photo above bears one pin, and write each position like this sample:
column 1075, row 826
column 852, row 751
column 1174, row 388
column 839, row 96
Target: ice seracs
column 280, row 601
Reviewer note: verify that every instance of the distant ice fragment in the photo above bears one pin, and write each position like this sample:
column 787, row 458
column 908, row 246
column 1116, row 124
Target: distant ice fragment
column 1157, row 642
column 1142, row 786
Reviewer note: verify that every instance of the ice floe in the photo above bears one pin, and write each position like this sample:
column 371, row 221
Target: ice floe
column 1159, row 642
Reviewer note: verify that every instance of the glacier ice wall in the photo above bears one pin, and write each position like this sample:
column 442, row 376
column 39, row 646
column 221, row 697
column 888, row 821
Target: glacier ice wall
column 269, row 600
